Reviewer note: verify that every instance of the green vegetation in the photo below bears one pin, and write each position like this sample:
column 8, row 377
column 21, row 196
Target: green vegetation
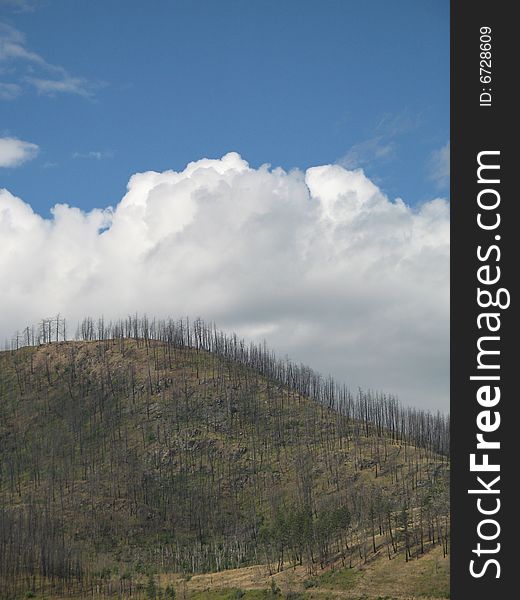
column 123, row 459
column 340, row 579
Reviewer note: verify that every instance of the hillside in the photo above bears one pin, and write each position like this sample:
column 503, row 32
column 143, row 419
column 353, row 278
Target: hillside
column 133, row 465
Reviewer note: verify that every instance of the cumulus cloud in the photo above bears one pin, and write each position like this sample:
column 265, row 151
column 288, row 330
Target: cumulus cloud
column 14, row 152
column 320, row 264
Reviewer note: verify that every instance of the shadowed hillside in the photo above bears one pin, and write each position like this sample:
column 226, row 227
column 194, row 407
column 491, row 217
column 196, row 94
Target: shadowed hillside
column 143, row 454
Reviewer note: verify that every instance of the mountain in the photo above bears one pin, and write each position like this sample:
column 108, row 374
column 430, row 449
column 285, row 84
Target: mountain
column 145, row 454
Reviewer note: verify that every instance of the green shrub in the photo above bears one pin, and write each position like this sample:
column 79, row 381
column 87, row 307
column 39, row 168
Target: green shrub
column 151, row 589
column 275, row 590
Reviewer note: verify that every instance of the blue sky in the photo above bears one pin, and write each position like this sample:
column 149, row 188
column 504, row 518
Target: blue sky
column 319, row 259
column 107, row 89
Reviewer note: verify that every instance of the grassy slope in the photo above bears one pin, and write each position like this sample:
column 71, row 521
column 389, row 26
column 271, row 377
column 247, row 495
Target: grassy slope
column 45, row 412
column 426, row 578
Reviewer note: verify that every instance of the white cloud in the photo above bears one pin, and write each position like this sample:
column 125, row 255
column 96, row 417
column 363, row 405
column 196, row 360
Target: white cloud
column 12, row 47
column 65, row 85
column 49, row 80
column 14, row 152
column 439, row 166
column 9, row 91
column 94, row 154
column 381, row 146
column 320, row 263
column 367, row 152
column 50, row 164
column 19, row 5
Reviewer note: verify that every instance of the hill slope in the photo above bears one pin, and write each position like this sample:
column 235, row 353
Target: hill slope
column 123, row 458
